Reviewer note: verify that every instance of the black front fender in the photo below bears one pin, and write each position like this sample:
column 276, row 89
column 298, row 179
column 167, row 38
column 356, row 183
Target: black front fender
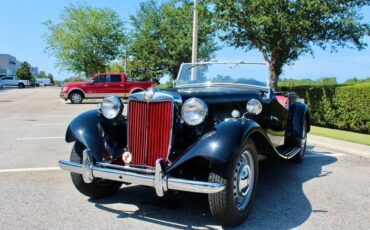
column 97, row 133
column 220, row 145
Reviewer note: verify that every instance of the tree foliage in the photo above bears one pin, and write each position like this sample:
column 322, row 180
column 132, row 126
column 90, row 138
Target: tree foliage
column 283, row 30
column 86, row 39
column 161, row 38
column 116, row 66
column 77, row 78
column 51, row 78
column 24, row 72
column 42, row 74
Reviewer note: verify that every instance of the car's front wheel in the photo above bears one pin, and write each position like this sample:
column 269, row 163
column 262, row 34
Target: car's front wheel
column 98, row 188
column 240, row 177
column 76, row 97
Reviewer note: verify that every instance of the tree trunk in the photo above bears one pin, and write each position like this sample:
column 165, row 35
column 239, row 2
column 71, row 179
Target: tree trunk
column 274, row 72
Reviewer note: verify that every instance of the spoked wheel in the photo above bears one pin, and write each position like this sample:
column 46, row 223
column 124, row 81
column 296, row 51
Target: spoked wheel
column 98, row 188
column 240, row 177
column 76, row 97
column 301, row 142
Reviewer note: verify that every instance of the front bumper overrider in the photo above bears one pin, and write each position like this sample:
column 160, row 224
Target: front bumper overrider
column 156, row 179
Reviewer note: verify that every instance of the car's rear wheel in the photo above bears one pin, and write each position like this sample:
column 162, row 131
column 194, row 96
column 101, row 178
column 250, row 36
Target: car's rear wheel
column 232, row 205
column 21, row 85
column 76, row 97
column 301, row 142
column 98, row 188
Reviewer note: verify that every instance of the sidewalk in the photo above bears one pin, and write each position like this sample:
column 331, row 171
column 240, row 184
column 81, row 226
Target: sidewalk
column 339, row 146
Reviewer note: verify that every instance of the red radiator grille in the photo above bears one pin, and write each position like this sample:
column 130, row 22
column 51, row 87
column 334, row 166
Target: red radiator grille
column 149, row 131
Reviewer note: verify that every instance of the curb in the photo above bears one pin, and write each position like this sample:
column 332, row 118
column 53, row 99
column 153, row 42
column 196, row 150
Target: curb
column 339, row 146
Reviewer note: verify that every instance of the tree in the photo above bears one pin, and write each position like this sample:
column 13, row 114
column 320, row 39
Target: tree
column 283, row 30
column 77, row 78
column 42, row 74
column 51, row 77
column 116, row 67
column 24, row 72
column 161, row 38
column 86, row 39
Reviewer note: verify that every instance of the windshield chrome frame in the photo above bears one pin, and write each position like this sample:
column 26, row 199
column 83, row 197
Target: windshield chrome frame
column 267, row 88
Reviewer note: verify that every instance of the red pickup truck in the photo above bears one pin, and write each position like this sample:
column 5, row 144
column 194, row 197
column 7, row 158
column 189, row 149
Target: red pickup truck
column 101, row 85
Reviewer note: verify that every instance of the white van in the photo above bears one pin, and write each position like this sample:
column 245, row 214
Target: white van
column 43, row 81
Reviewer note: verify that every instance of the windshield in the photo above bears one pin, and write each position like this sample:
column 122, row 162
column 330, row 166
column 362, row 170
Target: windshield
column 208, row 74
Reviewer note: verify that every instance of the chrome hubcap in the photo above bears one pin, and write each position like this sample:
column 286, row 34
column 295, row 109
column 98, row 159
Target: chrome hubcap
column 76, row 97
column 243, row 180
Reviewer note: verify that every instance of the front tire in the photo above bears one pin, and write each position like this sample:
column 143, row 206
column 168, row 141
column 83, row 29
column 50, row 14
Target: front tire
column 240, row 176
column 98, row 188
column 76, row 97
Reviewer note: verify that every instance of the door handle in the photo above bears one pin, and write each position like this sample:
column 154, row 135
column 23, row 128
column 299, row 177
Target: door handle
column 106, row 85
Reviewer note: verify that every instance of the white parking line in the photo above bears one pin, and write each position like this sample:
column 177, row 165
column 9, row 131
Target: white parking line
column 36, row 138
column 46, row 124
column 29, row 169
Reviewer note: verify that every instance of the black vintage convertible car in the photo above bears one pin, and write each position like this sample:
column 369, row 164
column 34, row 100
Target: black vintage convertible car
column 205, row 135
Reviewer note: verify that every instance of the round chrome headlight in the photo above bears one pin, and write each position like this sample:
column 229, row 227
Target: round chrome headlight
column 111, row 107
column 194, row 111
column 254, row 106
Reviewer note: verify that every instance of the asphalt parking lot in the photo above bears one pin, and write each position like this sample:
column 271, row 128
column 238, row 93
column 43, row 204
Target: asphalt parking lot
column 330, row 190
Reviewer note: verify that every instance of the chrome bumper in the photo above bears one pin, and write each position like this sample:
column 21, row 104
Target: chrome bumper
column 159, row 181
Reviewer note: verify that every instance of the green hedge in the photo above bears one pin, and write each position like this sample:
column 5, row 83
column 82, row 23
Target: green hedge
column 337, row 106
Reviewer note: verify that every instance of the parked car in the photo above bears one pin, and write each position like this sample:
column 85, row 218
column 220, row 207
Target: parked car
column 43, row 81
column 101, row 85
column 205, row 135
column 13, row 81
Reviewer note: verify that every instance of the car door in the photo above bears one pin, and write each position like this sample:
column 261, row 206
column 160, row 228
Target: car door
column 115, row 85
column 99, row 86
column 277, row 122
column 7, row 80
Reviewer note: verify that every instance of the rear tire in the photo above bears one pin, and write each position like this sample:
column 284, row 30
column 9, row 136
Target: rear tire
column 21, row 85
column 232, row 205
column 98, row 188
column 301, row 141
column 76, row 97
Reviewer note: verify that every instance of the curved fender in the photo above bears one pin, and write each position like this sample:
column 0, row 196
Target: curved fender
column 85, row 129
column 220, row 145
column 297, row 113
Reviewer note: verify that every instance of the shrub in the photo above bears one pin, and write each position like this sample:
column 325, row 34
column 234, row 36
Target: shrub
column 338, row 106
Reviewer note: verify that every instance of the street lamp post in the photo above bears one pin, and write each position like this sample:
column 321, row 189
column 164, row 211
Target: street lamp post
column 194, row 54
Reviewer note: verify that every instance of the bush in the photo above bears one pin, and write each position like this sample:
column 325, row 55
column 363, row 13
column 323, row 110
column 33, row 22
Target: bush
column 338, row 106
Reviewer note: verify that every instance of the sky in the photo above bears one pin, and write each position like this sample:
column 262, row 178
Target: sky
column 22, row 30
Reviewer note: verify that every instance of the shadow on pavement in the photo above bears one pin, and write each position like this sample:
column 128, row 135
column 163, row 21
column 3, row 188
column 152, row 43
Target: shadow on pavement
column 280, row 202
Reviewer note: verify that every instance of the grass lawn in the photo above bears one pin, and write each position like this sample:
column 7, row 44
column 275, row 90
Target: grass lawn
column 341, row 135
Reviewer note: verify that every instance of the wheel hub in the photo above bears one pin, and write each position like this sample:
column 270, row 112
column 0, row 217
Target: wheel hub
column 76, row 97
column 243, row 180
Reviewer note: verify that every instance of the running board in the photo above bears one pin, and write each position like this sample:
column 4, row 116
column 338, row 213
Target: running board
column 289, row 152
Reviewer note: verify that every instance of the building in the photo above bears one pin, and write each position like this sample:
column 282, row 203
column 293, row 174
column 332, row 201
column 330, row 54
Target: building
column 9, row 65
